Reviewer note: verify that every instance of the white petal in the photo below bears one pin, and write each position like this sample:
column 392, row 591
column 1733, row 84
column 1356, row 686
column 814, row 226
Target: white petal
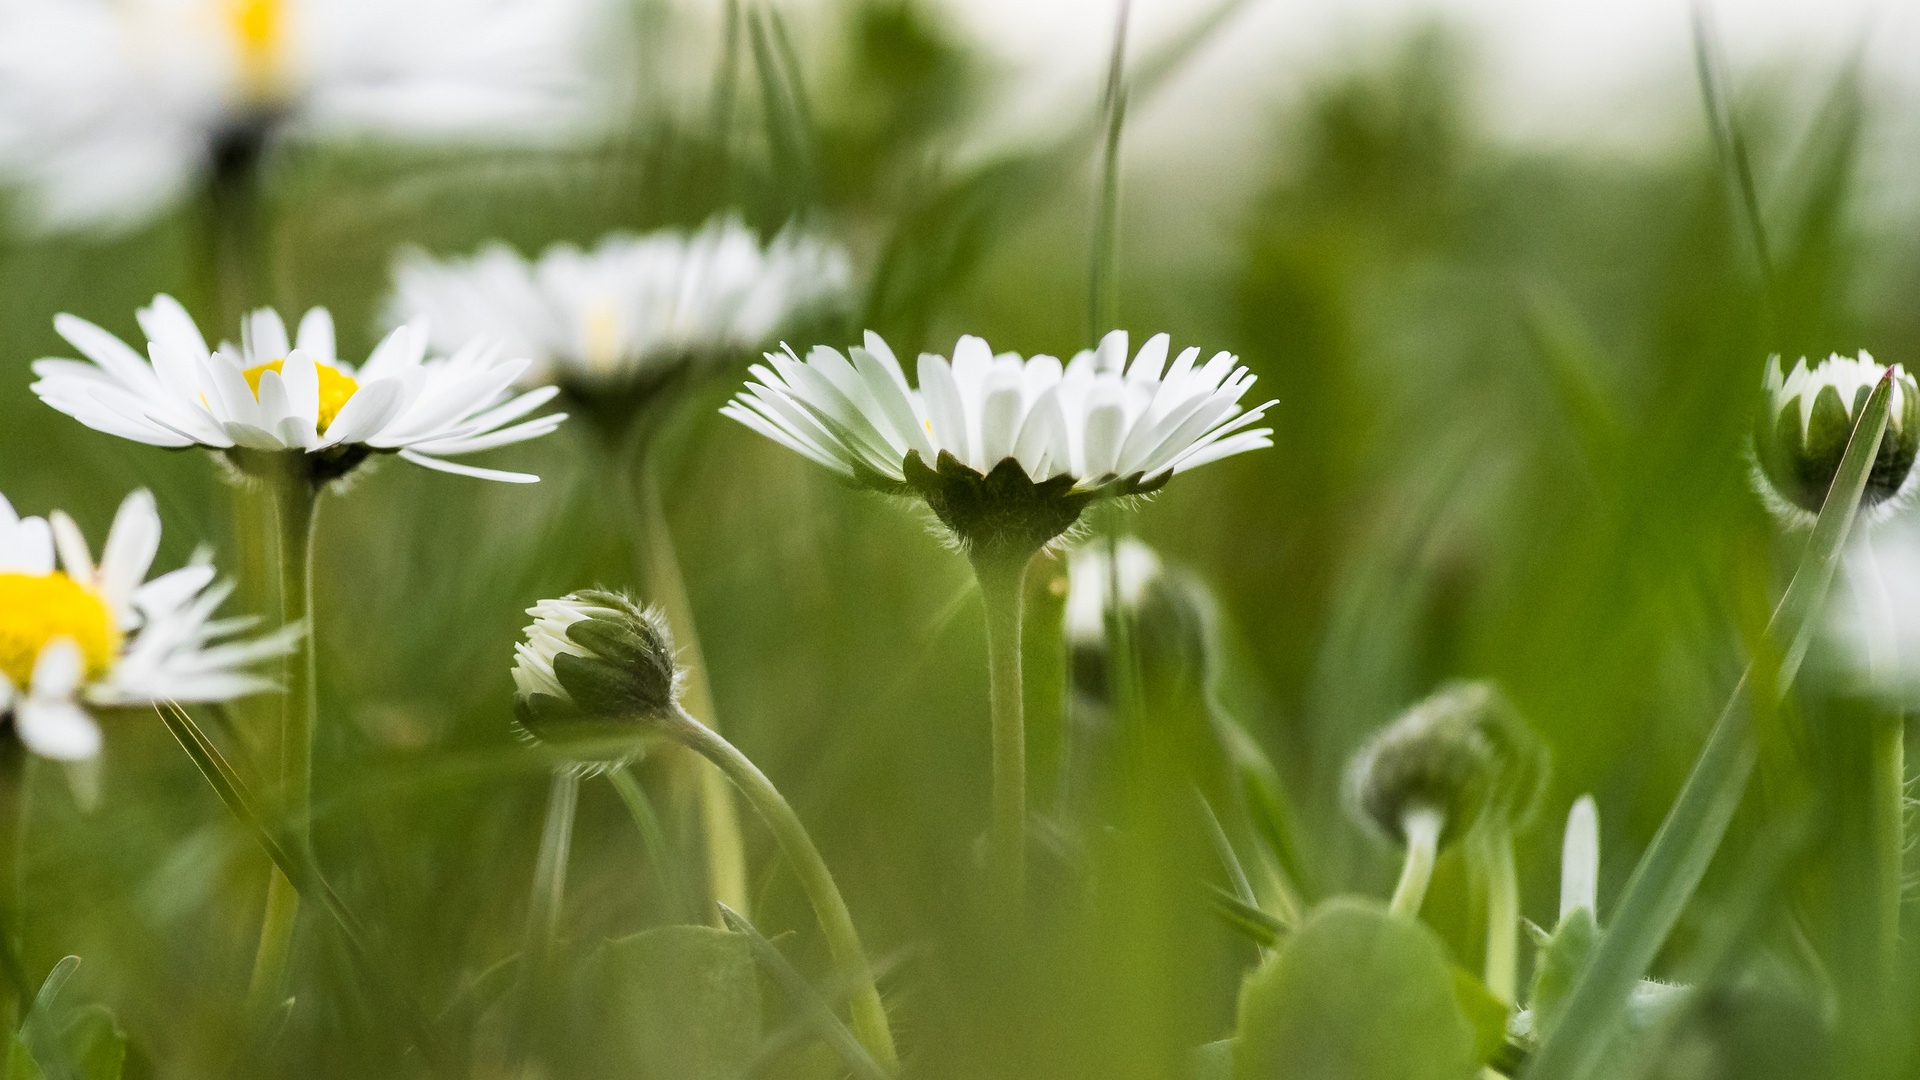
column 167, row 322
column 1111, row 356
column 302, row 382
column 941, row 395
column 264, row 337
column 316, row 335
column 1152, row 357
column 57, row 729
column 469, row 470
column 114, row 356
column 1105, row 429
column 1001, row 413
column 1580, row 858
column 370, row 408
column 75, row 557
column 132, row 543
column 30, row 551
column 57, row 670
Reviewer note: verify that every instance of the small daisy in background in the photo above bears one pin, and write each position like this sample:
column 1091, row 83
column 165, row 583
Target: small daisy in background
column 613, row 325
column 1007, row 452
column 109, row 112
column 1803, row 427
column 275, row 394
column 84, row 636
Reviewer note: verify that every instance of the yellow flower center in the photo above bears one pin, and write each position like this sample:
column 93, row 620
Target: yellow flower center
column 335, row 388
column 35, row 610
column 259, row 33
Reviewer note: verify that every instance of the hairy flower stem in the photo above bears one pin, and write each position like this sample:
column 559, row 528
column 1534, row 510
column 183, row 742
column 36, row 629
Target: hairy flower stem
column 843, row 943
column 543, row 904
column 1503, row 911
column 1422, row 828
column 660, row 570
column 294, row 500
column 1002, row 578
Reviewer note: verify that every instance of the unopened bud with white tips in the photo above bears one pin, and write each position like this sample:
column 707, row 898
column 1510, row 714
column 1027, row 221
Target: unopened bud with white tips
column 1580, row 860
column 593, row 663
column 1805, row 423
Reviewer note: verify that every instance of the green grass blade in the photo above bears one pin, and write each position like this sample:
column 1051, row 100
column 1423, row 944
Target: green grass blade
column 1223, row 848
column 805, row 999
column 1250, row 922
column 1103, row 299
column 295, row 861
column 647, row 820
column 1728, row 142
column 1671, row 868
column 39, row 1032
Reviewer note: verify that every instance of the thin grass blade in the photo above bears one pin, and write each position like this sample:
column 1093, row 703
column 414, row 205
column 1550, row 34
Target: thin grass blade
column 1250, row 922
column 1670, row 870
column 805, row 999
column 39, row 1031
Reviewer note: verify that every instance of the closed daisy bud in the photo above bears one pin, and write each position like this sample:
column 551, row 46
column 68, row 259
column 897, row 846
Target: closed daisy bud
column 594, row 664
column 1435, row 762
column 1803, row 429
column 1169, row 617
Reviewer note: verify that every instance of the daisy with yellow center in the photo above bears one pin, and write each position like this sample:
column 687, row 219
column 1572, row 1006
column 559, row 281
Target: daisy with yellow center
column 85, row 635
column 281, row 392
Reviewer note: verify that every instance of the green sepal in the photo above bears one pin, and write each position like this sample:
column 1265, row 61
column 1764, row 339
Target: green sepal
column 609, row 640
column 609, row 691
column 1557, row 965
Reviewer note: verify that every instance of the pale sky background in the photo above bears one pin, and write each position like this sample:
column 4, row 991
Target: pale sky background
column 1609, row 76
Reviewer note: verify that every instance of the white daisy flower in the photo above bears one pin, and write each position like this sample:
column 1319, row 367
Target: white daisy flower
column 111, row 111
column 633, row 309
column 105, row 636
column 273, row 394
column 992, row 431
column 1802, row 432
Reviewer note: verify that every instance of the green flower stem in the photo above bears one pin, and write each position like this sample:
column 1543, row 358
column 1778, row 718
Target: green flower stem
column 843, row 943
column 543, row 904
column 294, row 500
column 16, row 991
column 1002, row 580
column 719, row 817
column 1672, row 866
column 1887, row 778
column 1422, row 828
column 1503, row 911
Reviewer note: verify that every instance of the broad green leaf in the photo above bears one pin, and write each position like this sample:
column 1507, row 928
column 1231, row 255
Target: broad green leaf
column 679, row 1001
column 1213, row 1061
column 1355, row 994
column 94, row 1043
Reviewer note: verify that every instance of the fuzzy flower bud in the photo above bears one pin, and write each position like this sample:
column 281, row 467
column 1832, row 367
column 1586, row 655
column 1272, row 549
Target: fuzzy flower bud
column 1455, row 754
column 594, row 664
column 1804, row 426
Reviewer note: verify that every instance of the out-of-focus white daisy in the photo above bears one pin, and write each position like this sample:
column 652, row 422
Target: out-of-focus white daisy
column 984, row 431
column 272, row 394
column 633, row 309
column 111, row 110
column 1092, row 572
column 105, row 636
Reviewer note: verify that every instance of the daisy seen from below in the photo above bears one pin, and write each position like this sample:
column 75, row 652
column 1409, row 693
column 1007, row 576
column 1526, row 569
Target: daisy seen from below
column 1802, row 430
column 1007, row 452
column 612, row 325
column 274, row 393
column 79, row 635
column 109, row 112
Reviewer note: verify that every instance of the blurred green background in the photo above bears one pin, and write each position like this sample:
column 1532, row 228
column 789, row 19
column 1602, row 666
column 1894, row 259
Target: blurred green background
column 1514, row 388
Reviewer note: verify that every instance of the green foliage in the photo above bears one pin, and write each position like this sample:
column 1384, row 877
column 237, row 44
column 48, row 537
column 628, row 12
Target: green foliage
column 1357, row 994
column 673, row 1001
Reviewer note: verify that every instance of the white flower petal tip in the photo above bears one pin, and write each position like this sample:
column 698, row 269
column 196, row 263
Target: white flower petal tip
column 1004, row 428
column 1580, row 859
column 270, row 397
column 104, row 636
column 631, row 311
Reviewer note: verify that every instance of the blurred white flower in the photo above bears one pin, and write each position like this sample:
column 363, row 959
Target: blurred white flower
column 1091, row 573
column 632, row 308
column 272, row 394
column 104, row 635
column 1096, row 419
column 111, row 110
